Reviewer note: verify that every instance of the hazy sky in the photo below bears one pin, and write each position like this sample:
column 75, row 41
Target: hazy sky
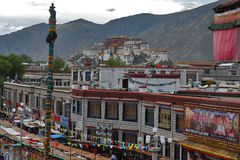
column 16, row 14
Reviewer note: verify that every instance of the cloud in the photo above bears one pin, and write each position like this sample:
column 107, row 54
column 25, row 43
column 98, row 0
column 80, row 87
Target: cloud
column 111, row 9
column 8, row 27
column 28, row 12
column 34, row 4
column 189, row 5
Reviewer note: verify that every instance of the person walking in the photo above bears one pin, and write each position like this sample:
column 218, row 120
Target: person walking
column 113, row 157
column 6, row 156
column 1, row 156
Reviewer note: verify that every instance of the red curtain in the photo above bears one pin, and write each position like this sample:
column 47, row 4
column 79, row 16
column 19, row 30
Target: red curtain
column 226, row 45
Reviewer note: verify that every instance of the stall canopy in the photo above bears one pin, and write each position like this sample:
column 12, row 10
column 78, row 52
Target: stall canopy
column 209, row 150
column 56, row 136
column 55, row 131
column 10, row 131
column 38, row 123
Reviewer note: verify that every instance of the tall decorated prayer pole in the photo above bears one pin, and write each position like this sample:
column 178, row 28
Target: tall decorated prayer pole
column 52, row 35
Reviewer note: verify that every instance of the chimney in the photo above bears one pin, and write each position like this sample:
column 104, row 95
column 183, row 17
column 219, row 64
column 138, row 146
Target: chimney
column 85, row 87
column 75, row 86
column 142, row 88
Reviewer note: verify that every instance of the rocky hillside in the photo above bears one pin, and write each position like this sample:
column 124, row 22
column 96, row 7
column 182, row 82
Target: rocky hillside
column 184, row 33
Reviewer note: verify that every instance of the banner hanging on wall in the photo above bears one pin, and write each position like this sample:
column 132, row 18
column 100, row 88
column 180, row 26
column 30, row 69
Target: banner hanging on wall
column 215, row 124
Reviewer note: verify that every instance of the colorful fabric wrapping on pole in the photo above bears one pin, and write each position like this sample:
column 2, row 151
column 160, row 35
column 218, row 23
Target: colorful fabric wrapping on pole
column 52, row 35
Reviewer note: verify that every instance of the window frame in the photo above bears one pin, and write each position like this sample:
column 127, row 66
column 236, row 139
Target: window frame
column 159, row 119
column 206, row 70
column 124, row 114
column 176, row 151
column 88, row 110
column 26, row 99
column 167, row 149
column 58, row 82
column 106, row 110
column 177, row 123
column 37, row 103
column 88, row 76
column 74, row 108
column 75, row 75
column 79, row 107
column 148, row 123
column 126, row 134
column 67, row 110
column 59, row 111
column 44, row 102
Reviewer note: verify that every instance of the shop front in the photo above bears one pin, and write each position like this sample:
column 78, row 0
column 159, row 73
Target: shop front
column 200, row 151
column 212, row 131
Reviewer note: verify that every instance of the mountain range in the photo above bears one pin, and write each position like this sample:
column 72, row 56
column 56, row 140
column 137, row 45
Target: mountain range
column 185, row 34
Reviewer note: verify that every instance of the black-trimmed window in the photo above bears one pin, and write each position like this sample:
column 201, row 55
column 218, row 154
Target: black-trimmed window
column 75, row 75
column 167, row 149
column 94, row 109
column 233, row 72
column 59, row 107
column 58, row 82
column 164, row 121
column 5, row 94
column 66, row 83
column 111, row 110
column 74, row 106
column 14, row 96
column 91, row 134
column 43, row 103
column 179, row 122
column 87, row 75
column 38, row 102
column 9, row 94
column 130, row 112
column 114, row 137
column 26, row 99
column 177, row 151
column 20, row 97
column 206, row 70
column 67, row 110
column 129, row 136
column 184, row 153
column 149, row 117
column 79, row 107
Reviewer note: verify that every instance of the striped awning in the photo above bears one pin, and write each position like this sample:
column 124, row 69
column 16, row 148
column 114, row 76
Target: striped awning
column 210, row 150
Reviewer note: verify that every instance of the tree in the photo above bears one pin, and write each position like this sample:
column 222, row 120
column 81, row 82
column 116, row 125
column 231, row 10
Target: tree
column 60, row 66
column 26, row 58
column 67, row 69
column 2, row 79
column 115, row 61
column 17, row 69
column 5, row 67
column 12, row 66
